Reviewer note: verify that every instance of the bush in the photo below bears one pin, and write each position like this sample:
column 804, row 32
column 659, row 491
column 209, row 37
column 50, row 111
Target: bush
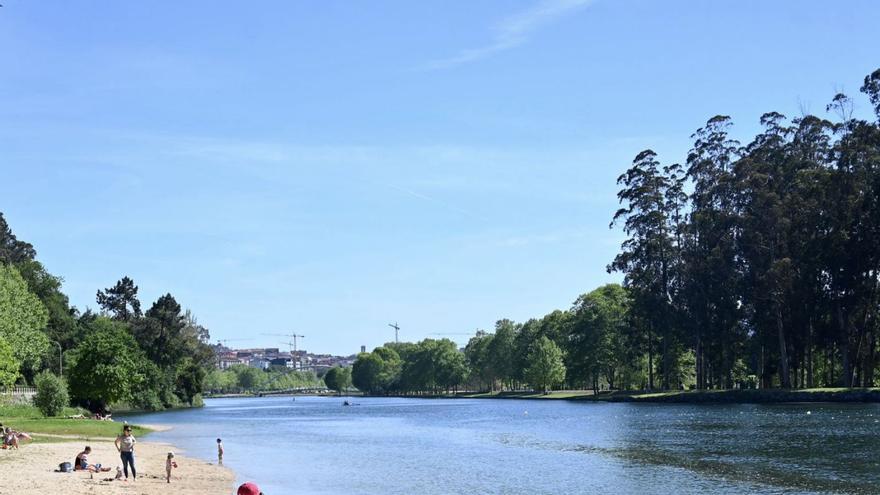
column 51, row 398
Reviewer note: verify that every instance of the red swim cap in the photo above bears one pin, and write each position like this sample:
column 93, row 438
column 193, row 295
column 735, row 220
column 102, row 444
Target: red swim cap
column 248, row 489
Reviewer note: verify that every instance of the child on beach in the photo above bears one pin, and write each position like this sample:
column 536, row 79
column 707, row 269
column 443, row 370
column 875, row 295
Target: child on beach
column 219, row 451
column 169, row 465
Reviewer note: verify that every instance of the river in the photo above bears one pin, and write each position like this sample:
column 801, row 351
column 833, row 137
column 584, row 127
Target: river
column 315, row 445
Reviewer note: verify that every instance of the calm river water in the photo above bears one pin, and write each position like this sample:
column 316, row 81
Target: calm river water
column 315, row 445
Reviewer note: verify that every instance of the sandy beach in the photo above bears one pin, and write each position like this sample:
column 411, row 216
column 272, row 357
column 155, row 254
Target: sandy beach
column 31, row 471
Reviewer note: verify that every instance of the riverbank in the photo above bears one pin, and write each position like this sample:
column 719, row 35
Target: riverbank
column 31, row 471
column 762, row 396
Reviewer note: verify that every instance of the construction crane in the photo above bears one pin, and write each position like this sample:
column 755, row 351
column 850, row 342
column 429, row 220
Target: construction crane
column 396, row 328
column 290, row 336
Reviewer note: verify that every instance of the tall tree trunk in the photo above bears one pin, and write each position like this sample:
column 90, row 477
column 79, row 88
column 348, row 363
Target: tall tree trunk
column 869, row 360
column 699, row 349
column 650, row 364
column 846, row 372
column 784, row 376
column 810, row 354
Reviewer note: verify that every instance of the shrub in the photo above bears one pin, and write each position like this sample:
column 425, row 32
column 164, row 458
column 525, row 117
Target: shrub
column 51, row 398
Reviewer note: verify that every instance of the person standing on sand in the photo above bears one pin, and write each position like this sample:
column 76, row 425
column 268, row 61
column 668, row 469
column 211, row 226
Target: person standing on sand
column 169, row 465
column 219, row 452
column 125, row 446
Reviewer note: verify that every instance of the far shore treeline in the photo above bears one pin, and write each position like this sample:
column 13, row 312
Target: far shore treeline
column 750, row 265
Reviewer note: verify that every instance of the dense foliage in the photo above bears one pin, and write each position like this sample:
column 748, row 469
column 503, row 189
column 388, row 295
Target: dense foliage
column 245, row 379
column 338, row 379
column 51, row 397
column 150, row 360
column 768, row 268
column 22, row 319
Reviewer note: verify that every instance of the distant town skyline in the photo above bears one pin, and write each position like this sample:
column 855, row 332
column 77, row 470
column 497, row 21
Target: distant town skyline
column 328, row 169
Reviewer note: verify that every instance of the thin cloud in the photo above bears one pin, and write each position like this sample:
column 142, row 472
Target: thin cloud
column 436, row 201
column 512, row 31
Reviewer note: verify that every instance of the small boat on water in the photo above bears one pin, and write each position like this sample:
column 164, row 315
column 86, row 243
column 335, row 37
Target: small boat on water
column 346, row 403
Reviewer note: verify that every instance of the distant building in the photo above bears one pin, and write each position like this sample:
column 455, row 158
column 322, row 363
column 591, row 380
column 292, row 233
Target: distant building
column 363, row 348
column 227, row 359
column 259, row 362
column 287, row 362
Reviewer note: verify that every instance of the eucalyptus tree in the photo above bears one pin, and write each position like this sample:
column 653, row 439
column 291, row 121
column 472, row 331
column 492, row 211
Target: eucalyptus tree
column 709, row 278
column 651, row 199
column 763, row 241
column 854, row 248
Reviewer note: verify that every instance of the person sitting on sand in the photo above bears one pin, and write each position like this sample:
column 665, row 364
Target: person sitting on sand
column 10, row 438
column 81, row 463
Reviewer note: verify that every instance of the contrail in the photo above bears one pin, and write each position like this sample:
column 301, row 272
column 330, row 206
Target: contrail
column 435, row 201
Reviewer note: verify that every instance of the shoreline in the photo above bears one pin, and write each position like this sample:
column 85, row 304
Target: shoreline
column 31, row 470
column 749, row 396
column 756, row 396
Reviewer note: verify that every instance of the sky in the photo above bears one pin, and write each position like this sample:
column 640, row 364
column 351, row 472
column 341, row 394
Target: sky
column 328, row 168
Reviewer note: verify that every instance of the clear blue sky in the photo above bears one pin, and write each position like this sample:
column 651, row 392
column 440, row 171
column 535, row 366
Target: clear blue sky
column 330, row 167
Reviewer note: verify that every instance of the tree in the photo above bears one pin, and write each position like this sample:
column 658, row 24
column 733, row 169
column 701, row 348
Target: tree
column 249, row 379
column 160, row 332
column 599, row 339
column 190, row 380
column 51, row 397
column 709, row 280
column 451, row 365
column 501, row 350
column 476, row 354
column 121, row 301
column 546, row 368
column 338, row 379
column 651, row 199
column 12, row 250
column 109, row 366
column 9, row 366
column 62, row 326
column 366, row 373
column 22, row 319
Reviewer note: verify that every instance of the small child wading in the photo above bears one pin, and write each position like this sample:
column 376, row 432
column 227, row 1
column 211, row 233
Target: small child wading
column 219, row 451
column 169, row 465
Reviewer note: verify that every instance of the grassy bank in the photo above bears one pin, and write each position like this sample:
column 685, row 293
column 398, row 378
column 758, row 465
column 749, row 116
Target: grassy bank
column 764, row 396
column 28, row 419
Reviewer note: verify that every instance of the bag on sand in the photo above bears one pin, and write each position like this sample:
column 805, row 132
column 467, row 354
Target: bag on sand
column 65, row 467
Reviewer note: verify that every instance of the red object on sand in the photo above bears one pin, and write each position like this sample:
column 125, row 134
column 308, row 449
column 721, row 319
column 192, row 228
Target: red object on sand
column 248, row 489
